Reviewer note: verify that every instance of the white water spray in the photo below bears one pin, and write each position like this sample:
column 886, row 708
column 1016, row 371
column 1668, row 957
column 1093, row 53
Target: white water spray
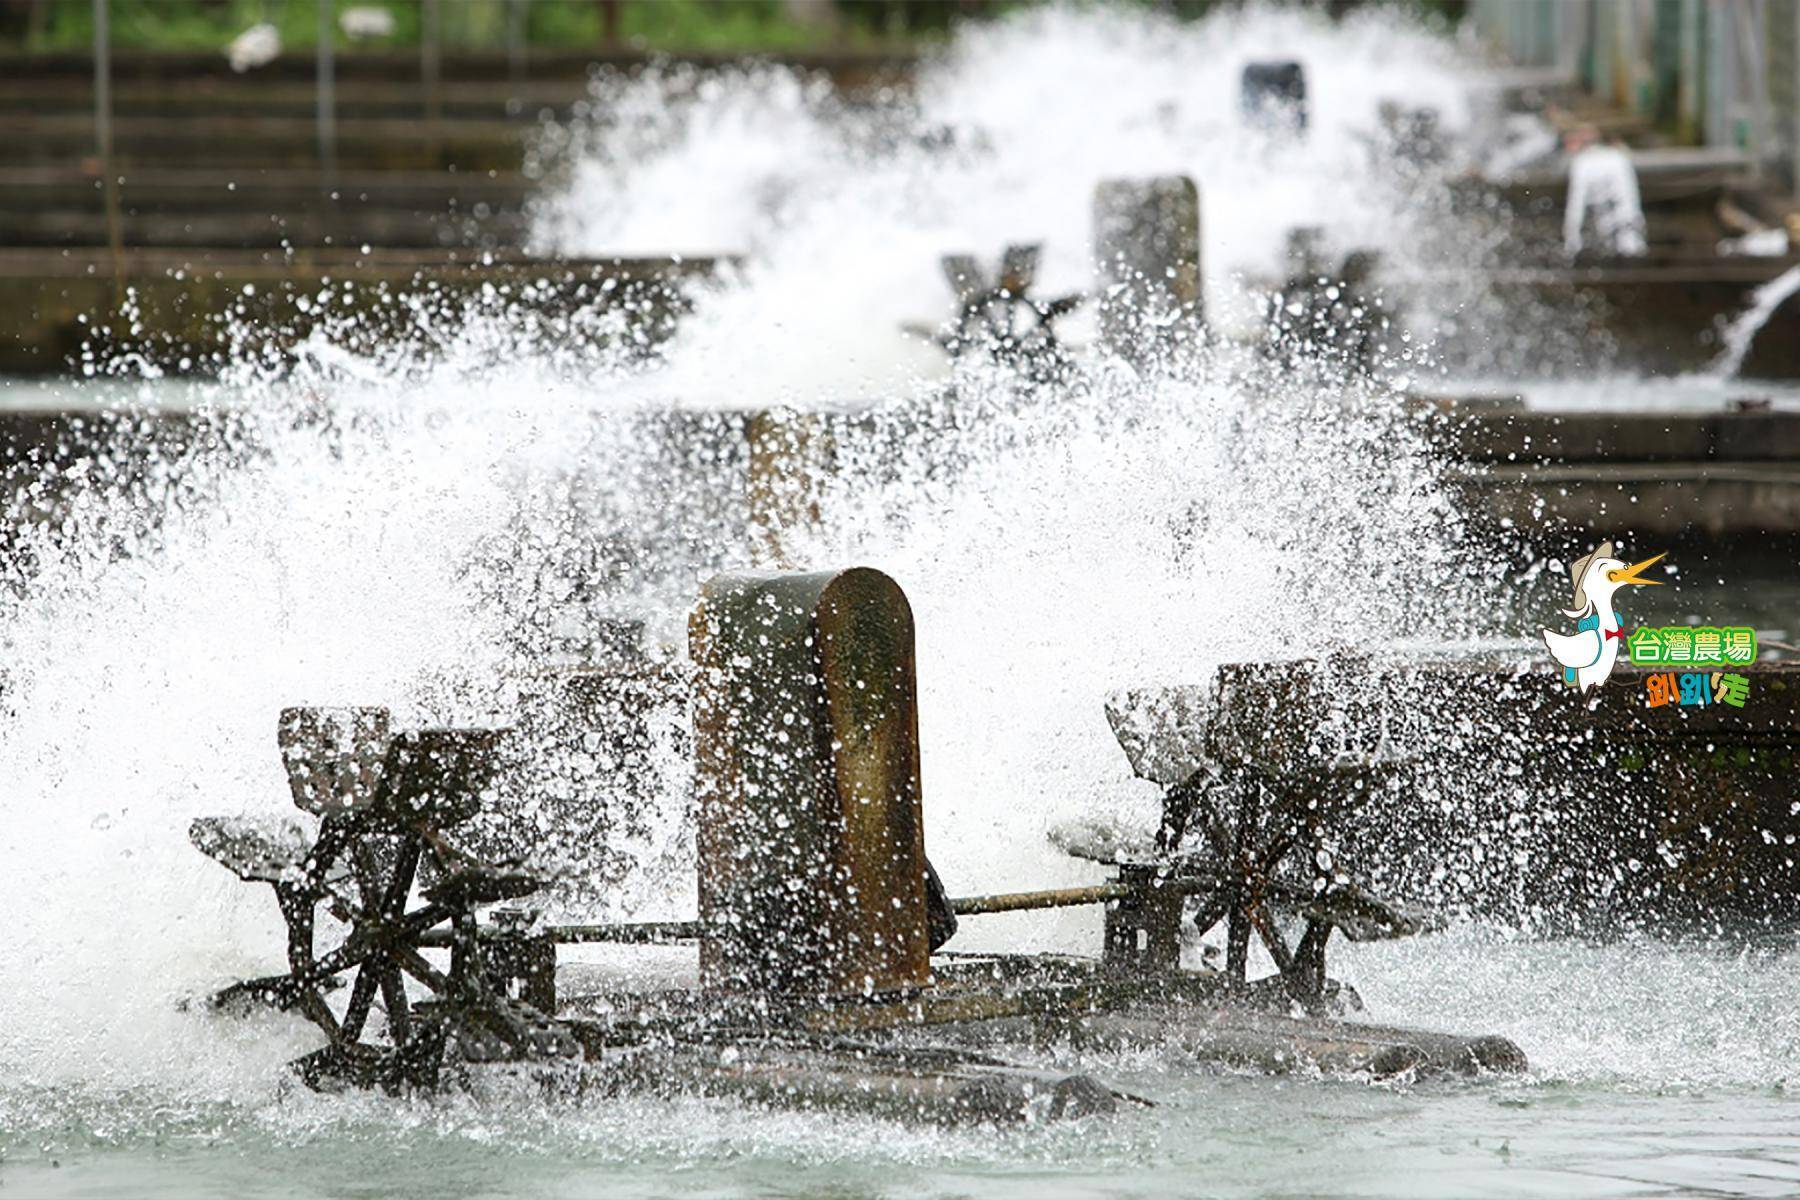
column 843, row 212
column 1056, row 542
column 1743, row 328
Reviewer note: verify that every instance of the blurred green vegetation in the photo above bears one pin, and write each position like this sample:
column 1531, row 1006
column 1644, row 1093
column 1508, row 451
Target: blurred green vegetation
column 718, row 25
column 652, row 25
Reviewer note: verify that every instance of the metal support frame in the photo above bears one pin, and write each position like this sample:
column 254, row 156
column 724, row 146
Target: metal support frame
column 999, row 318
column 1143, row 928
column 384, row 804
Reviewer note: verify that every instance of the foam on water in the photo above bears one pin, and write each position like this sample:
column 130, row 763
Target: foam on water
column 1637, row 1014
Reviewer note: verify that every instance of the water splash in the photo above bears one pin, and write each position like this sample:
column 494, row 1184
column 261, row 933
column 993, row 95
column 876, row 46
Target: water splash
column 1001, row 140
column 1637, row 1014
column 407, row 521
column 1737, row 336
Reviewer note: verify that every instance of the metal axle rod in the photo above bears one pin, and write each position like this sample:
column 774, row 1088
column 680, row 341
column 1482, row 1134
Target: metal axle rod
column 1069, row 897
column 652, row 932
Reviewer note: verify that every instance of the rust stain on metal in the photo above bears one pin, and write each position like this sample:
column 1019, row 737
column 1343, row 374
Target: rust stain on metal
column 807, row 764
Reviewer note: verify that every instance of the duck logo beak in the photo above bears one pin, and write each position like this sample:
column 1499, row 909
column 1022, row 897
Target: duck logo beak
column 1631, row 574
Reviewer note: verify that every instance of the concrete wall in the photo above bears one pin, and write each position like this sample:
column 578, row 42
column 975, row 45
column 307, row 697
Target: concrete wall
column 1532, row 33
column 1781, row 37
column 1717, row 72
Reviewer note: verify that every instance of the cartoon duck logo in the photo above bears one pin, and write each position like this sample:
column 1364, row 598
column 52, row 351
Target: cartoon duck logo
column 1589, row 654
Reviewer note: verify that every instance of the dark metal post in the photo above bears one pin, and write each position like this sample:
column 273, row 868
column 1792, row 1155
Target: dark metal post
column 431, row 65
column 790, row 458
column 806, row 766
column 1143, row 927
column 326, row 90
column 516, row 31
column 103, row 139
column 1147, row 240
column 431, row 72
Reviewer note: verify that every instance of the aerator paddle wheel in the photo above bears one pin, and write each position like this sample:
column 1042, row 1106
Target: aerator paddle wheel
column 1263, row 854
column 1261, row 779
column 999, row 317
column 821, row 977
column 384, row 802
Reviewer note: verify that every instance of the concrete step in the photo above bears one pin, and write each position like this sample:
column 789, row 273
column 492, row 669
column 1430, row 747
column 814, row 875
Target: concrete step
column 1517, row 437
column 264, row 190
column 1580, row 109
column 351, row 227
column 248, row 95
column 1662, row 317
column 1665, row 175
column 1664, row 475
column 851, row 70
column 51, row 302
column 1660, row 502
column 251, row 141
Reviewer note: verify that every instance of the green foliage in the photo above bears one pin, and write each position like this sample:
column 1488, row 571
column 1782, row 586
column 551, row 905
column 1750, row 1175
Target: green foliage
column 725, row 26
column 189, row 24
column 719, row 26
